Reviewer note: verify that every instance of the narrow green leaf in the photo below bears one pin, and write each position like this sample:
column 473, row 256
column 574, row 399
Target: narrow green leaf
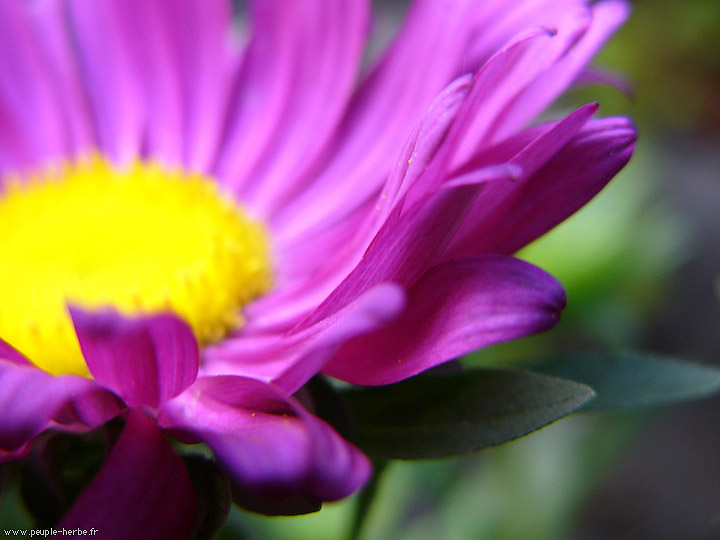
column 626, row 380
column 441, row 415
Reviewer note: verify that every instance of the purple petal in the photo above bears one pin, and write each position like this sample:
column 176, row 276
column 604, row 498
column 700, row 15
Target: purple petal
column 206, row 59
column 456, row 307
column 397, row 92
column 534, row 98
column 425, row 218
column 142, row 491
column 56, row 41
column 112, row 83
column 31, row 123
column 290, row 360
column 401, row 251
column 311, row 267
column 16, row 454
column 296, row 81
column 145, row 360
column 272, row 447
column 506, row 218
column 31, row 400
column 11, row 354
column 406, row 246
column 143, row 27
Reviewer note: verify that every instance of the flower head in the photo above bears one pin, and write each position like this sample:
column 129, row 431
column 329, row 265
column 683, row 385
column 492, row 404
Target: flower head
column 196, row 226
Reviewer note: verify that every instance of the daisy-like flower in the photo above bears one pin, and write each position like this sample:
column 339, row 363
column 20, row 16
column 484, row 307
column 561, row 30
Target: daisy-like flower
column 195, row 223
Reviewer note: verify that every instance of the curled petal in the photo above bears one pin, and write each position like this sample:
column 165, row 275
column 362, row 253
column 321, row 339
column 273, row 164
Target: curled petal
column 605, row 18
column 455, row 308
column 31, row 400
column 277, row 454
column 145, row 360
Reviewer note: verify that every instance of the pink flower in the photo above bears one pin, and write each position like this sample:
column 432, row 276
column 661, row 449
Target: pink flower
column 392, row 201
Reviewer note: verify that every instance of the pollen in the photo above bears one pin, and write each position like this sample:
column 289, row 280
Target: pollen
column 139, row 239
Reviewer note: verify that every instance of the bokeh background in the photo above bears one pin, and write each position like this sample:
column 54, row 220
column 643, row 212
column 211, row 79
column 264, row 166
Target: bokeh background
column 640, row 265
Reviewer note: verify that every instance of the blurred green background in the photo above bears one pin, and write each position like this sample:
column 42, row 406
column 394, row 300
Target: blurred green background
column 640, row 265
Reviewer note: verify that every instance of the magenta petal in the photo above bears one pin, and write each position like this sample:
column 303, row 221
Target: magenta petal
column 53, row 33
column 271, row 446
column 330, row 252
column 13, row 455
column 146, row 360
column 28, row 102
column 405, row 246
column 145, row 29
column 109, row 75
column 298, row 76
column 9, row 353
column 503, row 221
column 206, row 59
column 142, row 491
column 31, row 399
column 606, row 17
column 290, row 360
column 457, row 307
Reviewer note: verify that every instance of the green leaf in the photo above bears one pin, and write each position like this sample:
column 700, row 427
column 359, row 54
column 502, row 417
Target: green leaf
column 58, row 468
column 626, row 380
column 214, row 496
column 330, row 406
column 441, row 415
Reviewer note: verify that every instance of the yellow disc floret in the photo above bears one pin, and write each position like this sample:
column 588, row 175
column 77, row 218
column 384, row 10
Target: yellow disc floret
column 140, row 239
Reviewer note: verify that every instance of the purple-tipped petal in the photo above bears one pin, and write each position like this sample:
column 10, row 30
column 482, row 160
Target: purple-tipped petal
column 447, row 128
column 606, row 18
column 456, row 307
column 506, row 218
column 145, row 360
column 271, row 446
column 142, row 491
column 89, row 409
column 31, row 400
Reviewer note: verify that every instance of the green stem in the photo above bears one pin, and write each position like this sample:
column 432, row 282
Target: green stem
column 365, row 500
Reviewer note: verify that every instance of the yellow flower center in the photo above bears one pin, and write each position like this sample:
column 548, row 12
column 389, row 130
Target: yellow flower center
column 141, row 239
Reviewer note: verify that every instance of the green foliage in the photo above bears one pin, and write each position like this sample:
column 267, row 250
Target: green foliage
column 628, row 380
column 440, row 415
column 213, row 495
